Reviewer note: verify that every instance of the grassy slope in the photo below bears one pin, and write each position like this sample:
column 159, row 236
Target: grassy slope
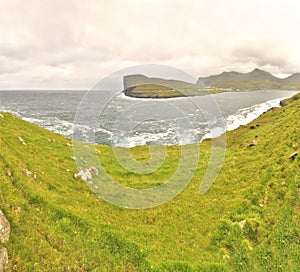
column 156, row 91
column 143, row 87
column 59, row 225
column 161, row 92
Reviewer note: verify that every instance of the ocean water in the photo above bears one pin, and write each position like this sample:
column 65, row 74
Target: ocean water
column 114, row 119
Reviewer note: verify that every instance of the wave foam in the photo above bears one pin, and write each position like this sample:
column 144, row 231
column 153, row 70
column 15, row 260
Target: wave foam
column 167, row 136
column 247, row 115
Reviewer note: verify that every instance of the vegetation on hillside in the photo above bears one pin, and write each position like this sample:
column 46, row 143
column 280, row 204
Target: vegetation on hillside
column 248, row 221
column 159, row 91
column 140, row 86
column 254, row 80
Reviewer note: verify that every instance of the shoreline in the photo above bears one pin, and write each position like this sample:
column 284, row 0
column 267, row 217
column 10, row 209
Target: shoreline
column 261, row 108
column 206, row 92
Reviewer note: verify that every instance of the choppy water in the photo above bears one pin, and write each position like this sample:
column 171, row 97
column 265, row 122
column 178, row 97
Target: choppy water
column 121, row 121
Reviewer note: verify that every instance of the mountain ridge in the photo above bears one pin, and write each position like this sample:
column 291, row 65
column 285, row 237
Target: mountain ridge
column 253, row 80
column 141, row 86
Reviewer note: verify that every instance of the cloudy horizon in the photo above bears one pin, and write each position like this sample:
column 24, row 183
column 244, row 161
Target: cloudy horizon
column 70, row 45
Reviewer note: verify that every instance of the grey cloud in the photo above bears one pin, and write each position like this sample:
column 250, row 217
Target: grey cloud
column 72, row 44
column 266, row 56
column 260, row 56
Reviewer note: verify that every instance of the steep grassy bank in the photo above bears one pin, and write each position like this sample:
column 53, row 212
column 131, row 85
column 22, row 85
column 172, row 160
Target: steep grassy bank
column 248, row 221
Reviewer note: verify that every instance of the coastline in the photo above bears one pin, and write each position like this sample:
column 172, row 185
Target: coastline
column 182, row 95
column 246, row 171
column 241, row 118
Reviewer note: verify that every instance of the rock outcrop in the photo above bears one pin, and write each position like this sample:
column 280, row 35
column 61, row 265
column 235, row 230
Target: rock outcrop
column 294, row 155
column 253, row 143
column 3, row 259
column 4, row 236
column 87, row 173
column 4, row 228
column 29, row 173
column 242, row 223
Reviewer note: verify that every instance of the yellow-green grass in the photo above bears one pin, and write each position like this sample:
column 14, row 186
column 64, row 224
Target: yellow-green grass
column 58, row 224
column 158, row 91
column 164, row 93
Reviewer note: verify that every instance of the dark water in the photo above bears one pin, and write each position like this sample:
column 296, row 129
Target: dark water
column 121, row 121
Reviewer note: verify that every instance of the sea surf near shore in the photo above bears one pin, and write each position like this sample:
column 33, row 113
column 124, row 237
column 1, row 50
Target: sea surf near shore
column 56, row 111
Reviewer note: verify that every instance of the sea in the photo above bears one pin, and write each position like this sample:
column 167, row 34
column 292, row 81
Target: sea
column 117, row 120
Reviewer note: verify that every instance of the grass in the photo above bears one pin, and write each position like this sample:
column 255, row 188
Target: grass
column 58, row 224
column 167, row 93
column 160, row 91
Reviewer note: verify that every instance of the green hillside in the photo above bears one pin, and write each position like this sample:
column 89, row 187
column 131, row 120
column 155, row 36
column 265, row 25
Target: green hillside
column 140, row 86
column 248, row 221
column 254, row 80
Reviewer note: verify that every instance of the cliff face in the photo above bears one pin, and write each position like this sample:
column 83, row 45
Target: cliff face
column 134, row 80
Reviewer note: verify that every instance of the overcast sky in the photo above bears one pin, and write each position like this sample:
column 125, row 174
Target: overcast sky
column 70, row 44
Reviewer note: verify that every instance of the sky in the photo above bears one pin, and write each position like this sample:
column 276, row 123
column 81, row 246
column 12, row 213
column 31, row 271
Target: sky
column 72, row 44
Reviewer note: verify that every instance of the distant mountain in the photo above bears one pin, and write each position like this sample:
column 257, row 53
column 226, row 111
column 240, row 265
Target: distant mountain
column 254, row 80
column 145, row 87
column 291, row 83
column 293, row 78
column 256, row 74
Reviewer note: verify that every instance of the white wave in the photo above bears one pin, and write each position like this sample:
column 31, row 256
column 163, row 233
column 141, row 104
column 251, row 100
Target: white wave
column 169, row 136
column 213, row 133
column 10, row 111
column 104, row 131
column 53, row 124
column 57, row 125
column 141, row 139
column 247, row 115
